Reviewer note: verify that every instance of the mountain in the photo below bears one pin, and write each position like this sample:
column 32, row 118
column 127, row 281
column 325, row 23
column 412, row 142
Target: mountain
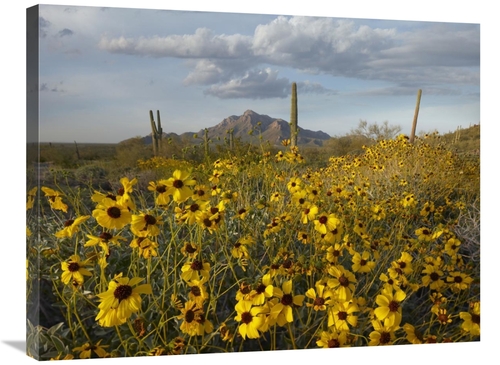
column 272, row 129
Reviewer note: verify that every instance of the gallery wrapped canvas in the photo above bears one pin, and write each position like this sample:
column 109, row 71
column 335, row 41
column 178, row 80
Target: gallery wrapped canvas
column 203, row 182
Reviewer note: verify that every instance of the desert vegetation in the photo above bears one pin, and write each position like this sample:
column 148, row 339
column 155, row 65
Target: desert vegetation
column 366, row 241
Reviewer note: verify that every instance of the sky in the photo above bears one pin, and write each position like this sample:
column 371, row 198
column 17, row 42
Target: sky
column 101, row 70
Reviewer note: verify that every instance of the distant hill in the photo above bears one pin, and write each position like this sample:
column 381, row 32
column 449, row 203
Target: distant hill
column 272, row 129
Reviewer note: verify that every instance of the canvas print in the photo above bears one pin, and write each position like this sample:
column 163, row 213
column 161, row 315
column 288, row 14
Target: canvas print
column 202, row 182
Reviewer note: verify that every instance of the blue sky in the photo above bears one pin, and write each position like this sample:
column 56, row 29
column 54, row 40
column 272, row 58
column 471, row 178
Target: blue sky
column 102, row 69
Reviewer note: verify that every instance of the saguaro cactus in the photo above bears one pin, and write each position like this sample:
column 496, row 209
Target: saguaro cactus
column 415, row 117
column 294, row 128
column 157, row 132
column 231, row 138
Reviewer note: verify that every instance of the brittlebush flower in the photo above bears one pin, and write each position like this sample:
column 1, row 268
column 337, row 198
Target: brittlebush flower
column 389, row 310
column 471, row 319
column 123, row 197
column 162, row 195
column 413, row 335
column 87, row 350
column 178, row 186
column 320, row 295
column 251, row 318
column 197, row 291
column 361, row 264
column 71, row 226
column 326, row 223
column 55, row 199
column 283, row 311
column 73, row 271
column 103, row 240
column 111, row 215
column 190, row 314
column 121, row 300
column 332, row 339
column 341, row 315
column 195, row 270
column 145, row 224
column 459, row 281
column 147, row 247
column 382, row 335
column 264, row 290
column 342, row 282
column 433, row 277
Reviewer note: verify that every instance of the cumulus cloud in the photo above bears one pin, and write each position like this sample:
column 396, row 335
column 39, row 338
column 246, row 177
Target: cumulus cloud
column 65, row 32
column 231, row 65
column 202, row 44
column 308, row 87
column 256, row 84
column 43, row 25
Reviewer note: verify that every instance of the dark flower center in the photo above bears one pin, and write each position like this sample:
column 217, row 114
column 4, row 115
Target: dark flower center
column 121, row 191
column 200, row 192
column 475, row 318
column 458, row 279
column 123, row 292
column 189, row 316
column 246, row 317
column 73, row 266
column 323, row 219
column 307, row 210
column 287, row 264
column 261, row 288
column 161, row 189
column 150, row 220
column 114, row 212
column 214, row 210
column 237, row 245
column 194, row 207
column 196, row 291
column 334, row 231
column 178, row 184
column 319, row 301
column 333, row 343
column 68, row 223
column 362, row 262
column 385, row 337
column 241, row 211
column 343, row 281
column 393, row 306
column 434, row 276
column 402, row 264
column 207, row 222
column 111, row 196
column 342, row 316
column 105, row 236
column 190, row 248
column 287, row 299
column 196, row 265
column 302, row 201
column 443, row 318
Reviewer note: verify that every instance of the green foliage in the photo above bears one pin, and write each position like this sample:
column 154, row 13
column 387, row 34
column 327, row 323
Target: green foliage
column 376, row 131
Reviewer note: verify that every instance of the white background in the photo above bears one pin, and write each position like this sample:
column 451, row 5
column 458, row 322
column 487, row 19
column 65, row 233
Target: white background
column 13, row 191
